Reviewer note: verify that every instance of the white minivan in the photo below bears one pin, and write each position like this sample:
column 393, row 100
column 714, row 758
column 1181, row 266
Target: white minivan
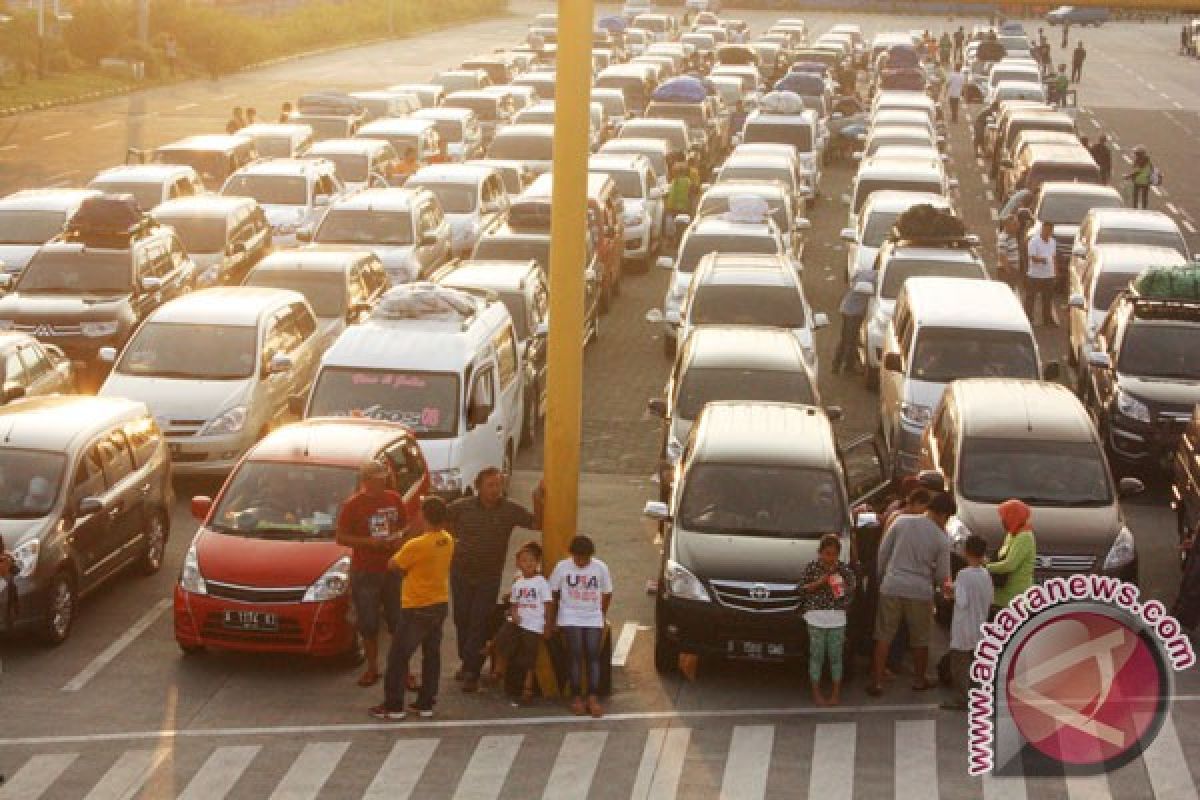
column 945, row 329
column 443, row 362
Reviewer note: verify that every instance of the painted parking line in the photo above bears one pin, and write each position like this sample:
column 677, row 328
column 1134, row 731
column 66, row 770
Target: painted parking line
column 104, row 125
column 113, row 650
column 52, row 136
column 1187, row 223
column 1177, row 104
column 6, row 148
column 185, row 106
column 1172, row 208
column 620, row 653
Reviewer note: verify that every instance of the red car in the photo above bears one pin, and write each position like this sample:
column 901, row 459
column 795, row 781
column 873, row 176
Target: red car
column 264, row 573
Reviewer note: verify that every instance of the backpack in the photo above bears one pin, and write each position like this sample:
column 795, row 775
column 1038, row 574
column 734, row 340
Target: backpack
column 1156, row 176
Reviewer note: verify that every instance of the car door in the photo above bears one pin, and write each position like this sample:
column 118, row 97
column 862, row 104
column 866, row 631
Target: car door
column 149, row 262
column 896, row 338
column 509, row 381
column 87, row 524
column 280, row 339
column 538, row 306
column 485, row 435
column 126, row 494
column 41, row 376
column 306, row 348
column 178, row 271
column 15, row 383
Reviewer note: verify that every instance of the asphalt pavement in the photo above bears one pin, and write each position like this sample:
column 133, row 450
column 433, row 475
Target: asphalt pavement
column 118, row 712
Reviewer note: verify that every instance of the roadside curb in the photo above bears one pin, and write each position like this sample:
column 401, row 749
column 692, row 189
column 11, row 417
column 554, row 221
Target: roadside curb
column 270, row 62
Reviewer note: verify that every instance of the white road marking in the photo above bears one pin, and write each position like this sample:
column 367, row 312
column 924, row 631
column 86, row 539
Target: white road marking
column 747, row 763
column 620, row 653
column 401, row 770
column 8, row 147
column 488, row 768
column 185, row 106
column 832, row 775
column 662, row 764
column 126, row 778
column 986, row 180
column 33, row 779
column 310, row 770
column 989, row 195
column 1177, row 104
column 104, row 125
column 995, row 215
column 1003, row 787
column 575, row 767
column 114, row 649
column 916, row 760
column 52, row 136
column 1171, row 207
column 1187, row 223
column 1149, row 85
column 1167, row 767
column 1088, row 787
column 220, row 772
column 1157, row 191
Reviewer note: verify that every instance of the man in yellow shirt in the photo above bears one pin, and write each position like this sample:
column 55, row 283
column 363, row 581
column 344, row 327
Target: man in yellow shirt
column 424, row 596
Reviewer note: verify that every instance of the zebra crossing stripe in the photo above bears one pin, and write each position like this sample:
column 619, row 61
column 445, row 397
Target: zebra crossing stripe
column 573, row 770
column 310, row 770
column 747, row 763
column 662, row 764
column 220, row 772
column 126, row 778
column 1003, row 787
column 1167, row 767
column 400, row 771
column 33, row 779
column 488, row 768
column 832, row 772
column 916, row 760
column 1088, row 787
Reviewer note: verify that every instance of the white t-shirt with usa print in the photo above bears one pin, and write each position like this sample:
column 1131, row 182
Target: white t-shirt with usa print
column 530, row 596
column 581, row 592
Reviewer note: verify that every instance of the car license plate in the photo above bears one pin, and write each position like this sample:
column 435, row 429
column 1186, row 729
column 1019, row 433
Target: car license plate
column 756, row 651
column 251, row 621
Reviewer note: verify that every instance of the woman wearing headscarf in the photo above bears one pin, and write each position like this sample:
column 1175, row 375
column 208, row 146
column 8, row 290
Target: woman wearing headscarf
column 1012, row 571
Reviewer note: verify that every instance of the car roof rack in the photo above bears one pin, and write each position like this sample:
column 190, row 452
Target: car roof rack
column 431, row 302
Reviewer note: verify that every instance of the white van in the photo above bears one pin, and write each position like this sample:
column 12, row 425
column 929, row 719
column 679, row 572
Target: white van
column 442, row 361
column 903, row 175
column 945, row 329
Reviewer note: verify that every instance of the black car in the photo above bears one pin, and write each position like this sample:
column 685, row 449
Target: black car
column 80, row 297
column 1185, row 479
column 86, row 493
column 1142, row 378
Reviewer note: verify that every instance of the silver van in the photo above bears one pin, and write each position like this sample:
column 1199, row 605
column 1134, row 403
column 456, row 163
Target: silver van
column 225, row 236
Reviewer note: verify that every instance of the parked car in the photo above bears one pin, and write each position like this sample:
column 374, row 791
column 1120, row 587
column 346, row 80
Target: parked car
column 30, row 218
column 642, row 196
column 470, row 197
column 214, row 156
column 279, row 140
column 293, row 193
column 361, row 163
column 150, row 184
column 32, row 369
column 1077, row 15
column 224, row 236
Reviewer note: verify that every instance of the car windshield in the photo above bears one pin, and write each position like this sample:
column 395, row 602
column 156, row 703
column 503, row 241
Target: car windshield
column 1146, row 236
column 29, row 481
column 702, row 385
column 449, row 129
column 719, row 204
column 78, row 272
column 147, row 195
column 613, row 105
column 520, row 147
column 501, row 248
column 324, row 290
column 699, row 245
column 878, row 226
column 899, row 270
column 1160, row 350
column 426, row 402
column 456, row 198
column 171, row 350
column 457, row 82
column 277, row 499
column 30, row 227
column 946, row 354
column 1036, row 471
column 672, row 134
column 350, row 167
column 213, row 165
column 691, row 113
column 269, row 190
column 274, row 146
column 1108, row 286
column 348, row 226
column 776, row 306
column 484, row 107
column 629, row 182
column 658, row 159
column 868, row 185
column 535, row 116
column 1069, row 208
column 749, row 172
column 198, row 234
column 798, row 136
column 748, row 500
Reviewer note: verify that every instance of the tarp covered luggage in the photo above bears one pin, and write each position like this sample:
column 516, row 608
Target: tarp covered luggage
column 736, row 54
column 925, row 223
column 330, row 104
column 781, row 103
column 680, row 90
column 1169, row 283
column 106, row 220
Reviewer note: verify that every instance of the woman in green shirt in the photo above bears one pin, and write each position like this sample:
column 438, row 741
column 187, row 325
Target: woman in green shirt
column 1012, row 570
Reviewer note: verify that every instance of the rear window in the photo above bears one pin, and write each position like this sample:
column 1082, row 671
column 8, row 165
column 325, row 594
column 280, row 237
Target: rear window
column 900, row 270
column 775, row 306
column 798, row 136
column 1153, row 238
column 946, row 354
column 868, row 185
column 518, row 147
column 1069, row 208
column 699, row 245
column 500, row 248
column 703, row 385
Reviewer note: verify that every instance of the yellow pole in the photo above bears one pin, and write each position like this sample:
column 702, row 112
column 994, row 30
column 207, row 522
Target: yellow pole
column 564, row 395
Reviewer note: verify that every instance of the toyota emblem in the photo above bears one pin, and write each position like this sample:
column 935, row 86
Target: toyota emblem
column 759, row 592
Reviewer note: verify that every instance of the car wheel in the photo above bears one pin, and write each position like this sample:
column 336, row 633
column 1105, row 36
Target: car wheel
column 666, row 654
column 156, row 544
column 60, row 611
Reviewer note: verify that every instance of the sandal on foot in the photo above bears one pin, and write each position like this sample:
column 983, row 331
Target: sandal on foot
column 368, row 679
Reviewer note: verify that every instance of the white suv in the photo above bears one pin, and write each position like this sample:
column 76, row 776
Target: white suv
column 471, row 197
column 643, row 216
column 294, row 193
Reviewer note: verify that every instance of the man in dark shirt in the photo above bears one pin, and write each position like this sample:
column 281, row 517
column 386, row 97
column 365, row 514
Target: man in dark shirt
column 482, row 525
column 1103, row 156
column 371, row 523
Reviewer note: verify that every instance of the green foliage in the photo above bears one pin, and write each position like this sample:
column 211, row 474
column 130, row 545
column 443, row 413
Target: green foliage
column 99, row 29
column 19, row 45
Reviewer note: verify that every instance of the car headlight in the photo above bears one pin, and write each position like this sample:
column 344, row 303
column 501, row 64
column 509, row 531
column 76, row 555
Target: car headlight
column 209, row 276
column 334, row 583
column 446, row 480
column 916, row 414
column 25, row 558
column 97, row 329
column 190, row 578
column 231, row 421
column 683, row 584
column 674, row 450
column 1122, row 551
column 1130, row 406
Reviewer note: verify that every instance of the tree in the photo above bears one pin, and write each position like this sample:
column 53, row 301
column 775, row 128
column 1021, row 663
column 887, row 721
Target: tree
column 98, row 30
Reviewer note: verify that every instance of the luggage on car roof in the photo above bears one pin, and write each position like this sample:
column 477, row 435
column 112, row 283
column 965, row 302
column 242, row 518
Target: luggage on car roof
column 680, row 90
column 107, row 220
column 737, row 54
column 781, row 103
column 428, row 301
column 1169, row 283
column 927, row 224
column 329, row 103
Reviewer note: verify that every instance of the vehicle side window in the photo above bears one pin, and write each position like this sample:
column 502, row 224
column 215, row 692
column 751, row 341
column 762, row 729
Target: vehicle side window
column 277, row 339
column 89, row 477
column 177, row 255
column 1109, row 329
column 115, row 457
column 374, row 277
column 483, row 388
column 407, row 464
column 506, row 356
column 305, row 323
column 37, row 363
column 947, row 444
column 1089, row 272
column 541, row 299
column 144, row 439
column 184, row 188
column 356, row 290
column 14, row 370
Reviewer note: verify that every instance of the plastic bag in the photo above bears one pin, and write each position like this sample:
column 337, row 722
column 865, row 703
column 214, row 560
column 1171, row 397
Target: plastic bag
column 425, row 300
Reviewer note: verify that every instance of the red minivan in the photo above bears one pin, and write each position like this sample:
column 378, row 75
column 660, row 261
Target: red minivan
column 264, row 573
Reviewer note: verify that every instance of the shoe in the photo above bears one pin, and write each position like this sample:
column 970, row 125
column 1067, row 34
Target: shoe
column 384, row 712
column 470, row 684
column 423, row 711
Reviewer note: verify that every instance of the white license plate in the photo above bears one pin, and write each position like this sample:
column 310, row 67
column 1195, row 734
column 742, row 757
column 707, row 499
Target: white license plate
column 757, row 651
column 251, row 621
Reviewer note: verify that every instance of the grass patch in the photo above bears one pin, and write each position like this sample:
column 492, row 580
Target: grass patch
column 60, row 87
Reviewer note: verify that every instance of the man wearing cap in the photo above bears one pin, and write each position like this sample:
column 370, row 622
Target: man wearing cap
column 371, row 523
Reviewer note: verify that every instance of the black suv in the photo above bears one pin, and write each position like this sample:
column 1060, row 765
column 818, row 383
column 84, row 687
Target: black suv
column 1142, row 378
column 82, row 297
column 1185, row 480
column 86, row 493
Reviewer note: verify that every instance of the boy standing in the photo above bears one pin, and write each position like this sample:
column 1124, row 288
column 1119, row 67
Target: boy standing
column 529, row 608
column 972, row 597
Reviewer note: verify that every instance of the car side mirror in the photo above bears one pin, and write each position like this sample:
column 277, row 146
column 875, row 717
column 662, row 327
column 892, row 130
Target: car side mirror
column 1051, row 371
column 1129, row 486
column 107, row 354
column 665, row 262
column 952, row 183
column 201, row 506
column 802, row 224
column 542, row 330
column 1099, row 360
column 1077, row 301
column 90, row 505
column 295, row 405
column 820, row 320
column 279, row 363
column 150, row 283
column 834, row 413
column 657, row 406
column 848, row 235
column 657, row 511
column 892, row 362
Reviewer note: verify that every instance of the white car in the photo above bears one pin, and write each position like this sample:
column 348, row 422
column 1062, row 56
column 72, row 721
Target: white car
column 875, row 222
column 294, row 193
column 150, row 184
column 643, row 197
column 361, row 163
column 459, row 129
column 531, row 145
column 471, row 197
column 804, row 131
column 32, row 217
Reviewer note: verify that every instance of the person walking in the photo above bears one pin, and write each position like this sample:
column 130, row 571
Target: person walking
column 972, row 595
column 425, row 561
column 285, row 112
column 955, row 82
column 853, row 310
column 914, row 556
column 1012, row 571
column 1061, row 85
column 828, row 584
column 371, row 524
column 1066, row 37
column 530, row 601
column 236, row 122
column 960, row 37
column 679, row 201
column 1008, row 267
column 1040, row 274
column 582, row 587
column 1102, row 153
column 1141, row 177
column 945, row 47
column 482, row 525
column 1078, row 56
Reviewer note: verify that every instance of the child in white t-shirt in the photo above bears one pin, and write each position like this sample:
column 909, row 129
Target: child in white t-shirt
column 528, row 610
column 582, row 589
